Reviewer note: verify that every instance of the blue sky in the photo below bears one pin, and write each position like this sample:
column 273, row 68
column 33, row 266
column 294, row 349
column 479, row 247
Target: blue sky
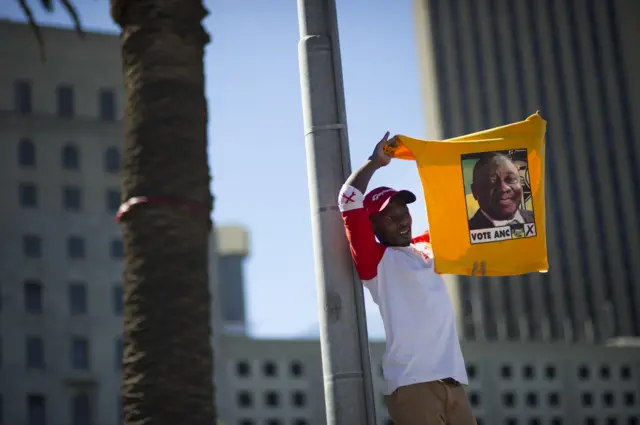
column 256, row 138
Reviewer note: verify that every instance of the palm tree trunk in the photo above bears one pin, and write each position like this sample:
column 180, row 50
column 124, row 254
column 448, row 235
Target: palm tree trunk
column 167, row 367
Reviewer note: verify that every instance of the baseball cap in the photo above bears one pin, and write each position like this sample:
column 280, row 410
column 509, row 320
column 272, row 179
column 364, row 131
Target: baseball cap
column 378, row 199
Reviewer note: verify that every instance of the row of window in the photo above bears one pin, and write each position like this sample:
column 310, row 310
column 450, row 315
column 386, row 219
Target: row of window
column 79, row 353
column 269, row 369
column 71, row 199
column 65, row 100
column 78, row 305
column 533, row 399
column 81, row 412
column 70, row 157
column 549, row 372
column 246, row 399
column 76, row 247
column 276, row 421
column 588, row 420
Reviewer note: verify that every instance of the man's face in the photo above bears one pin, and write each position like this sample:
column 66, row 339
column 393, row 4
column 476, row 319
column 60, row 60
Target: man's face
column 392, row 225
column 497, row 188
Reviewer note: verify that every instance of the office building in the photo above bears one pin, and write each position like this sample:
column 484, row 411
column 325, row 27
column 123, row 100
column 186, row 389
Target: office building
column 271, row 382
column 489, row 63
column 61, row 254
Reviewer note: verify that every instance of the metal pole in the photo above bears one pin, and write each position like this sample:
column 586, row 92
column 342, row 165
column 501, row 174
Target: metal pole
column 343, row 333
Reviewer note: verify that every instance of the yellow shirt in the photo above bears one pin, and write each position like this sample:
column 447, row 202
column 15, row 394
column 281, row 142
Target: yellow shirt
column 485, row 198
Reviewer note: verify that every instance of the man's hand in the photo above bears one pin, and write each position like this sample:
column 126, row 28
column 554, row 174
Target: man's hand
column 379, row 156
column 360, row 178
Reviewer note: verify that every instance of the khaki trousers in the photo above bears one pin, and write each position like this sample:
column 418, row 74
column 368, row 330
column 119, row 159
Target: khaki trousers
column 430, row 403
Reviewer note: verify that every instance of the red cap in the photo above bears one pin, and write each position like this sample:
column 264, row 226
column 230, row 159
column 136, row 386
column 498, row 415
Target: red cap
column 379, row 198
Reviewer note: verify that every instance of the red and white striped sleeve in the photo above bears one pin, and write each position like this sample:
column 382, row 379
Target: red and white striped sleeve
column 365, row 249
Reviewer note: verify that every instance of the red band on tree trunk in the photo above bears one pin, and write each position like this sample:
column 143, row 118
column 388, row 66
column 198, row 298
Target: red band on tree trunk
column 192, row 207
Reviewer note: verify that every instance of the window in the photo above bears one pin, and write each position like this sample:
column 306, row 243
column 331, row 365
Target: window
column 81, row 409
column 117, row 249
column 113, row 200
column 118, row 300
column 534, row 421
column 70, row 157
column 607, row 399
column 72, row 198
column 75, row 247
column 79, row 353
column 532, row 399
column 107, row 105
column 587, row 399
column 505, row 371
column 77, row 298
column 625, row 373
column 269, row 369
column 246, row 422
column 296, row 369
column 272, row 399
column 605, row 373
column 474, row 399
column 510, row 421
column 64, row 94
column 556, row 420
column 612, row 421
column 32, row 246
column 471, row 371
column 22, row 97
column 528, row 372
column 508, row 399
column 553, row 399
column 28, row 195
column 36, row 409
column 550, row 372
column 112, row 160
column 34, row 352
column 304, row 422
column 583, row 372
column 273, row 422
column 245, row 399
column 299, row 399
column 26, row 153
column 589, row 420
column 33, row 297
column 119, row 353
column 243, row 368
column 629, row 399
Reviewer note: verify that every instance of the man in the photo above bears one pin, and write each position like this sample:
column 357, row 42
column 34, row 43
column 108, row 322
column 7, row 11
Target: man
column 423, row 366
column 497, row 188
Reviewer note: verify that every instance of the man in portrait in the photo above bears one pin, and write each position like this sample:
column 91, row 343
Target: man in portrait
column 497, row 188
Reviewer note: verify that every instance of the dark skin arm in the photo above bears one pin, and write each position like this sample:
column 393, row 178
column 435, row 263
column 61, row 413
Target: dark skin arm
column 361, row 176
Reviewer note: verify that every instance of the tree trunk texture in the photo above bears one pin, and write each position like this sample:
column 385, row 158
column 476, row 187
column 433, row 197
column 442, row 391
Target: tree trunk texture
column 168, row 361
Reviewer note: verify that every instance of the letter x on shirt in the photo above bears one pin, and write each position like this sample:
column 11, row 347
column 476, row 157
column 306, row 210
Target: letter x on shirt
column 419, row 320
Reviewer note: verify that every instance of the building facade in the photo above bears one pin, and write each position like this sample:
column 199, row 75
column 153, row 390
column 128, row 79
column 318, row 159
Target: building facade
column 270, row 382
column 489, row 63
column 60, row 248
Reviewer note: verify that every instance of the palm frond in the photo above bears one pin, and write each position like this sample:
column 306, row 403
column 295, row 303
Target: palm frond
column 48, row 6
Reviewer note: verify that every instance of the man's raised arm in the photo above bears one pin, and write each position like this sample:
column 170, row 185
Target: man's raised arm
column 365, row 250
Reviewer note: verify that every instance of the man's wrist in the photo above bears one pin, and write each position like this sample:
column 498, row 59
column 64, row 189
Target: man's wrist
column 375, row 162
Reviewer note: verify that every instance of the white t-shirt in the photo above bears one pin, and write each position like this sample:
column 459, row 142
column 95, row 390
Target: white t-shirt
column 419, row 320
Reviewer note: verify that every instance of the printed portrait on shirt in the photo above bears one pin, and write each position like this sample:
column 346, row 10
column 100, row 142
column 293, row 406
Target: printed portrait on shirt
column 498, row 196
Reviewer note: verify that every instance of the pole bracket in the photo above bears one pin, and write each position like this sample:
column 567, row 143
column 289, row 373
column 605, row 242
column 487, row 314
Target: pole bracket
column 317, row 128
